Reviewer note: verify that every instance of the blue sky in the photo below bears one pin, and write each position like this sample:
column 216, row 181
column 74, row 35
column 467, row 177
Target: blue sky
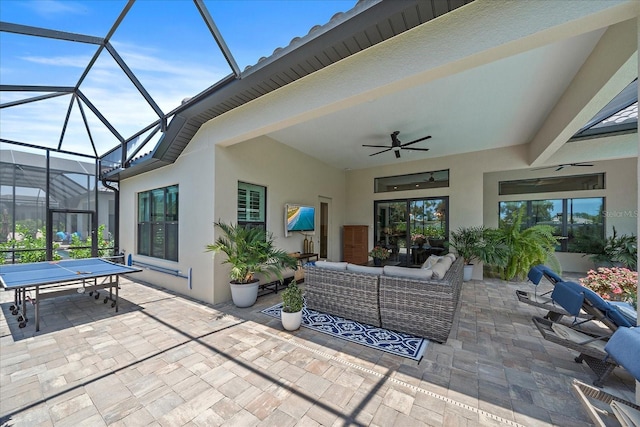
column 165, row 43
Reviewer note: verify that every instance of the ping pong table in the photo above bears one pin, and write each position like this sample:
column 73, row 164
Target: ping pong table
column 50, row 279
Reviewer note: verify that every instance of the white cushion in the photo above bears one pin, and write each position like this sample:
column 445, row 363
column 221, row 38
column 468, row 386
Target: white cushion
column 431, row 261
column 409, row 273
column 355, row 268
column 451, row 255
column 440, row 269
column 332, row 265
column 446, row 261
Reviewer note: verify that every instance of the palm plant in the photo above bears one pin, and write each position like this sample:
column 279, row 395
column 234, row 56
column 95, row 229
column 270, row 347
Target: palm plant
column 250, row 250
column 480, row 244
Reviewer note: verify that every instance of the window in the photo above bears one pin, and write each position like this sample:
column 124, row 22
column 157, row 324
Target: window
column 252, row 205
column 412, row 229
column 578, row 222
column 158, row 223
column 414, row 181
column 549, row 184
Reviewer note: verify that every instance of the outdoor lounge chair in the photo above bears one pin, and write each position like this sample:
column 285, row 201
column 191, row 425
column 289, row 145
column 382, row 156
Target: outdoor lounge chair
column 544, row 301
column 590, row 344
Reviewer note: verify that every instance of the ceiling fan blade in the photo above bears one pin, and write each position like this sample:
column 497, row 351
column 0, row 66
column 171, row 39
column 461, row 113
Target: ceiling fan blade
column 376, row 146
column 560, row 168
column 397, row 154
column 417, row 140
column 380, row 152
column 415, row 149
column 580, row 164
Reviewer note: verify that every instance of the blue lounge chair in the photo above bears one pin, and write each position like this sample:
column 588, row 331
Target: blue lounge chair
column 544, row 300
column 575, row 299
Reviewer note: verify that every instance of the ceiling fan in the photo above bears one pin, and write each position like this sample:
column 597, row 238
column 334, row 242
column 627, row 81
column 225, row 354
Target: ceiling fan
column 562, row 166
column 396, row 145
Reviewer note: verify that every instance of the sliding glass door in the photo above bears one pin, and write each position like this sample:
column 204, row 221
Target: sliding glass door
column 412, row 229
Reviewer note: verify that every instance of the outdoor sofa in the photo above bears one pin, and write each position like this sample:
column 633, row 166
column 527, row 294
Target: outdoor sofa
column 402, row 299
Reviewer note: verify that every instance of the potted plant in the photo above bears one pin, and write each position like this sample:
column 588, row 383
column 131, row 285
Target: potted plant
column 525, row 247
column 249, row 250
column 292, row 303
column 617, row 251
column 379, row 253
column 467, row 242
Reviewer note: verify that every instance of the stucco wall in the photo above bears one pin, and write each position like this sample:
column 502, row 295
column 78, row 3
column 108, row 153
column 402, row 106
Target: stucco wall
column 465, row 189
column 208, row 179
column 290, row 177
column 473, row 191
column 193, row 172
column 621, row 187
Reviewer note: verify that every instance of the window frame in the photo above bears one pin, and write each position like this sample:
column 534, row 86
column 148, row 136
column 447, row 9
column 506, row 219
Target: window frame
column 261, row 191
column 158, row 213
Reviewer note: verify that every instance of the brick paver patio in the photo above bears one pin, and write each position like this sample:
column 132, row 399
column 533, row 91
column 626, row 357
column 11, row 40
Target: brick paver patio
column 169, row 361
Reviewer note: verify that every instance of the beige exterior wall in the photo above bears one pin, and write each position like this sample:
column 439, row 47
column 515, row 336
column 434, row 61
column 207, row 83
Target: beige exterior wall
column 620, row 199
column 194, row 173
column 208, row 179
column 473, row 191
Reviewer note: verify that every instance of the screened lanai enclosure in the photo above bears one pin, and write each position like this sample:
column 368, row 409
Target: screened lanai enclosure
column 53, row 207
column 85, row 103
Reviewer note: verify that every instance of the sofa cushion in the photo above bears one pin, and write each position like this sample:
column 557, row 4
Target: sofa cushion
column 332, row 265
column 410, row 273
column 355, row 268
column 451, row 255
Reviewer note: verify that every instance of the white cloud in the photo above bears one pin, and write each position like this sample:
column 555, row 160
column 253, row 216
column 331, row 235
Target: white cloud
column 59, row 61
column 47, row 8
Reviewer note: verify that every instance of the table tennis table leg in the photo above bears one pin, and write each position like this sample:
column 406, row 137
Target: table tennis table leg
column 117, row 287
column 37, row 308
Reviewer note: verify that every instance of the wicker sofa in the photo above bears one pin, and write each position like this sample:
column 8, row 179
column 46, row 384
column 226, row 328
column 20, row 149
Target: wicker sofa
column 422, row 307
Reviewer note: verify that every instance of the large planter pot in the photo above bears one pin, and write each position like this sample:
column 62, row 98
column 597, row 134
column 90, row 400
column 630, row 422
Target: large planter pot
column 291, row 321
column 467, row 273
column 244, row 294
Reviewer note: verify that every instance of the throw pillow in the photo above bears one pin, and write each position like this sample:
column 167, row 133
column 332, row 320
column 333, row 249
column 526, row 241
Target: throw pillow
column 451, row 255
column 431, row 261
column 439, row 270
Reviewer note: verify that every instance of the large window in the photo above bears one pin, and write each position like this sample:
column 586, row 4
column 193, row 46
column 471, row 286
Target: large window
column 252, row 205
column 412, row 229
column 578, row 222
column 158, row 223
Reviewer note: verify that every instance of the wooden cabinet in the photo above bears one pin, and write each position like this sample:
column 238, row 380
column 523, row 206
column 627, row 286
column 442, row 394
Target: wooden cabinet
column 355, row 242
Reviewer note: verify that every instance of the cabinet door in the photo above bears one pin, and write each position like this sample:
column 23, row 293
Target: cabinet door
column 355, row 240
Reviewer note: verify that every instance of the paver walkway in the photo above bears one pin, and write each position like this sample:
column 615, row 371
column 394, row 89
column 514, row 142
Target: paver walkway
column 169, row 361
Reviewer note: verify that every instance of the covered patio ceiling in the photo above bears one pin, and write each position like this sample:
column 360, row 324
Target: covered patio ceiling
column 468, row 78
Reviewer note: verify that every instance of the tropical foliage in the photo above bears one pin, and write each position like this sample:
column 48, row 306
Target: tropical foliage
column 28, row 245
column 250, row 250
column 78, row 248
column 526, row 247
column 479, row 244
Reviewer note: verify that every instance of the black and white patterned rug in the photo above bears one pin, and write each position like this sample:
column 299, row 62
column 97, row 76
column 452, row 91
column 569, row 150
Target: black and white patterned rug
column 392, row 342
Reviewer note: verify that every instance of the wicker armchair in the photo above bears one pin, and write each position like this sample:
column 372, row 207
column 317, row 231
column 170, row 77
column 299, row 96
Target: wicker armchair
column 421, row 307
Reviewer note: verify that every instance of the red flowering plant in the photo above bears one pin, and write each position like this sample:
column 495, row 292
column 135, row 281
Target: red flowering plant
column 615, row 283
column 379, row 252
